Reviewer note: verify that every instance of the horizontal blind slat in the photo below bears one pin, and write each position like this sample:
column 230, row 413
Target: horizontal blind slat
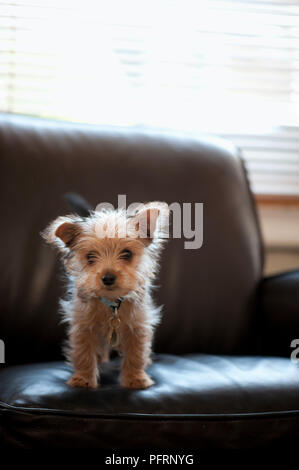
column 222, row 66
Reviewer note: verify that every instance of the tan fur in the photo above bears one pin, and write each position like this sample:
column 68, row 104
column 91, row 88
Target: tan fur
column 100, row 240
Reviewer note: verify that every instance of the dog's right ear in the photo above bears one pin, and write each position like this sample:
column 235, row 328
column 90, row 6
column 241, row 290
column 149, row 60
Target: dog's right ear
column 67, row 232
column 62, row 232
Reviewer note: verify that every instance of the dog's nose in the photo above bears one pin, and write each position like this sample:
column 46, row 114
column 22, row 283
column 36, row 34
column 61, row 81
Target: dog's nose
column 108, row 279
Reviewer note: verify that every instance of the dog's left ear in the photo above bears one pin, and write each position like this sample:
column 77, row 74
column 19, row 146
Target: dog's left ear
column 149, row 222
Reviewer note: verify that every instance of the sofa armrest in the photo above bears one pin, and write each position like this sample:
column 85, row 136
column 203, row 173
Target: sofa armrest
column 279, row 312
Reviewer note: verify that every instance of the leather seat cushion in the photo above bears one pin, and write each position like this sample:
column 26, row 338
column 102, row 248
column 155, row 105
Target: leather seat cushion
column 198, row 400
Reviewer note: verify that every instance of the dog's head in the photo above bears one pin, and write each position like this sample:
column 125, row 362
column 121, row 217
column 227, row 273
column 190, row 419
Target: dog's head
column 110, row 253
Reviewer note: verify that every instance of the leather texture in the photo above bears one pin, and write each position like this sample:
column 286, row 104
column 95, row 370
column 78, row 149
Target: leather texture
column 208, row 294
column 198, row 400
column 279, row 309
column 209, row 392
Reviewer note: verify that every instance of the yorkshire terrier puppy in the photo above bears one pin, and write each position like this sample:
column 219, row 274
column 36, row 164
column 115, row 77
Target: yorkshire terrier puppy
column 111, row 259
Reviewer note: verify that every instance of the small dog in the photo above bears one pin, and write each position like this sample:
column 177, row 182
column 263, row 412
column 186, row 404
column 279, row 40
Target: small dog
column 111, row 259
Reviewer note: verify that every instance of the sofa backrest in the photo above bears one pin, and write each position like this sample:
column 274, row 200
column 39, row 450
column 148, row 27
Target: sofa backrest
column 208, row 293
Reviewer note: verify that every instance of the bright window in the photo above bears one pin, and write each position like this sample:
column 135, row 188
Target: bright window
column 226, row 67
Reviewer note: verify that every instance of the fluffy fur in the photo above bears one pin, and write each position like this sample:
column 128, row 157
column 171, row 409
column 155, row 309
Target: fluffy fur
column 128, row 247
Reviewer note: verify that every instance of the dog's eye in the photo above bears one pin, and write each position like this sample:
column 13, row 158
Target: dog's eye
column 91, row 257
column 126, row 254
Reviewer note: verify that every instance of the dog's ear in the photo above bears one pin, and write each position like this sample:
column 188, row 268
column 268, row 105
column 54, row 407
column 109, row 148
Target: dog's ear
column 144, row 224
column 62, row 232
column 68, row 232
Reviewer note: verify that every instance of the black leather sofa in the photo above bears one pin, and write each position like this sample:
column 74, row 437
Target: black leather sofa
column 222, row 367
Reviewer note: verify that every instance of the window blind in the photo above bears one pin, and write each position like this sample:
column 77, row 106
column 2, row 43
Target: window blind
column 225, row 67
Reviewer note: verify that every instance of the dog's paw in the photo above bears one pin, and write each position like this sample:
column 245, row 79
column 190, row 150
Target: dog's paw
column 137, row 381
column 82, row 382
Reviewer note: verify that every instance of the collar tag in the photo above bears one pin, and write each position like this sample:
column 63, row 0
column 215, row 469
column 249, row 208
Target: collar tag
column 115, row 321
column 113, row 304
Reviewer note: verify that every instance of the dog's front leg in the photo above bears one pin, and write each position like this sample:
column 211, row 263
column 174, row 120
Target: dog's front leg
column 136, row 346
column 83, row 355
